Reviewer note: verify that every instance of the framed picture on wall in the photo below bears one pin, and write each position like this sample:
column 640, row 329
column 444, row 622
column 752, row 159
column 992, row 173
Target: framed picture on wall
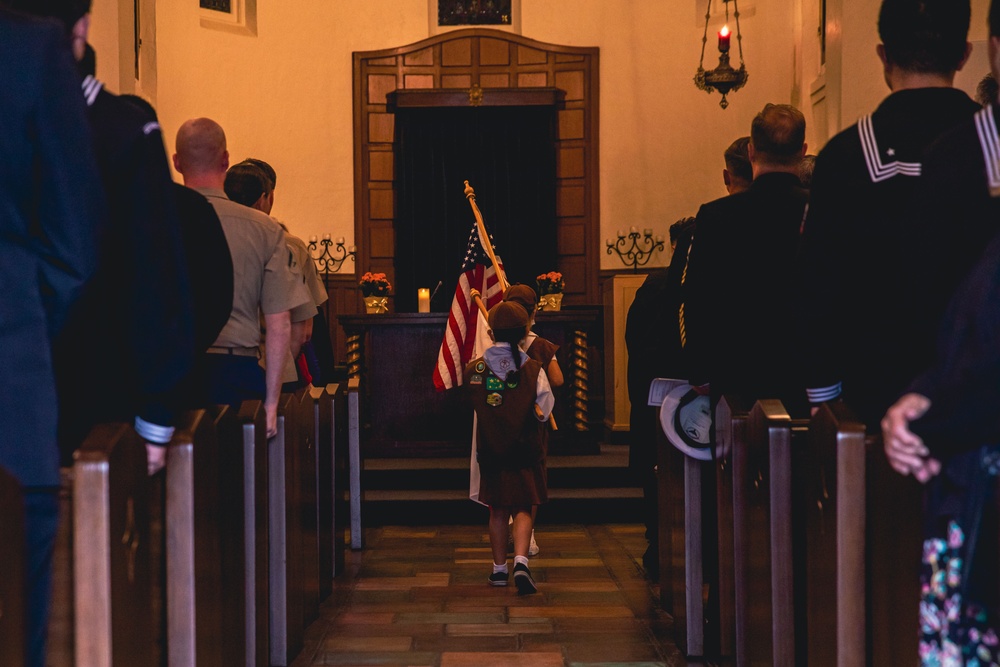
column 447, row 15
column 237, row 16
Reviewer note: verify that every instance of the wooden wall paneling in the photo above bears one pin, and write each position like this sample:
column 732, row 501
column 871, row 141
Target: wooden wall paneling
column 570, row 240
column 418, row 80
column 571, row 124
column 494, row 80
column 571, row 199
column 382, row 240
column 532, row 79
column 572, row 82
column 494, row 52
column 380, row 85
column 569, row 161
column 456, row 81
column 381, row 166
column 529, row 56
column 457, row 53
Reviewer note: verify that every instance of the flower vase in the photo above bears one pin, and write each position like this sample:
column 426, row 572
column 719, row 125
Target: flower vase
column 550, row 301
column 376, row 304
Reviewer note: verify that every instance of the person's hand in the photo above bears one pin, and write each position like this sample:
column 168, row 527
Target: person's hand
column 905, row 450
column 272, row 420
column 156, row 458
column 930, row 468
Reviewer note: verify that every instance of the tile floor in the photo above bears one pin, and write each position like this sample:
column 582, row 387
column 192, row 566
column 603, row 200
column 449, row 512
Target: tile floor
column 418, row 597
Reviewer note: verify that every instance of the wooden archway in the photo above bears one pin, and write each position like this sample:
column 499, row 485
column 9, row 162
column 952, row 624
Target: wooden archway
column 456, row 65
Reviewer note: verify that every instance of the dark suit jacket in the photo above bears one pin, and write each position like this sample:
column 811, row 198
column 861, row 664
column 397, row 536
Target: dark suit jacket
column 130, row 340
column 50, row 208
column 738, row 296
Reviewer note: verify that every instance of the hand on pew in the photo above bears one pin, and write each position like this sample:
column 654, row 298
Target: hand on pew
column 156, row 458
column 905, row 451
column 271, row 411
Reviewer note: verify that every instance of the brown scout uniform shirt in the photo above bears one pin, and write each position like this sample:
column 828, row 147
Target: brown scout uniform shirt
column 509, row 435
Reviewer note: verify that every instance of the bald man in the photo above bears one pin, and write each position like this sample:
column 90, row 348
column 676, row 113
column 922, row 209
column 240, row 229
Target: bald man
column 264, row 280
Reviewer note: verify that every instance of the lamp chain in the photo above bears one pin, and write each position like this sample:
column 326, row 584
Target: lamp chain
column 739, row 34
column 704, row 37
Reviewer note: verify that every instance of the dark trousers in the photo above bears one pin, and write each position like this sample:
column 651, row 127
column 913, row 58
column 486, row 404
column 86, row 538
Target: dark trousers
column 230, row 379
column 41, row 521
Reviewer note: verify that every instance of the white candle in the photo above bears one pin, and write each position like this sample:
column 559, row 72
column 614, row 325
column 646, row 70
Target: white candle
column 340, row 240
column 313, row 239
column 621, row 234
column 610, row 242
column 633, row 229
column 659, row 238
column 326, row 237
column 353, row 248
column 647, row 232
column 424, row 300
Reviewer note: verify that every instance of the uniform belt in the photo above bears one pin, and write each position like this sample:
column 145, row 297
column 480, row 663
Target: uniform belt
column 235, row 351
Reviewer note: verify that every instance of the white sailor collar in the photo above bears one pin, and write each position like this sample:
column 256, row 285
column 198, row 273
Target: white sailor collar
column 989, row 142
column 91, row 87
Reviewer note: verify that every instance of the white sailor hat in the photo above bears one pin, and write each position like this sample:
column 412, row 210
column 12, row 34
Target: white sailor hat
column 686, row 420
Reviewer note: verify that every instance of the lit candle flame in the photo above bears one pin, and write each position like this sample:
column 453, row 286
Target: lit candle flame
column 724, row 32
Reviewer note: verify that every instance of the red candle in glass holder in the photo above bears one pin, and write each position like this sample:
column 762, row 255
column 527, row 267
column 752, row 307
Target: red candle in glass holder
column 724, row 39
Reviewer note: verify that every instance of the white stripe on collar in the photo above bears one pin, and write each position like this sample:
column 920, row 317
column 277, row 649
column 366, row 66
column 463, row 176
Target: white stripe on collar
column 873, row 158
column 986, row 128
column 91, row 87
column 150, row 127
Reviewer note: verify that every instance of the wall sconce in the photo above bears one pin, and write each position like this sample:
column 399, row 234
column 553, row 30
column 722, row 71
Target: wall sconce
column 634, row 254
column 326, row 261
column 723, row 78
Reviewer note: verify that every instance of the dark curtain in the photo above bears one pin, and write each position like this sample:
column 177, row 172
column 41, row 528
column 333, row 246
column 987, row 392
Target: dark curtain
column 508, row 156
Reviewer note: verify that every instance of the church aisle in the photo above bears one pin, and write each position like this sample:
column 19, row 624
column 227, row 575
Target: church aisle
column 418, row 596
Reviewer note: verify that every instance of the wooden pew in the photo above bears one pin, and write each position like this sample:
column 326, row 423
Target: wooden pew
column 13, row 604
column 307, row 463
column 834, row 483
column 286, row 558
column 325, row 406
column 354, row 457
column 113, row 617
column 894, row 540
column 731, row 415
column 768, row 536
column 252, row 440
column 683, row 524
column 341, row 518
column 215, row 480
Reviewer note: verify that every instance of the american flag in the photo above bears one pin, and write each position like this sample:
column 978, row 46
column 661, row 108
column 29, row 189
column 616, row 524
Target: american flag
column 464, row 320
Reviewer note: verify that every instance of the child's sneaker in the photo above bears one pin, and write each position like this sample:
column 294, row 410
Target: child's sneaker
column 533, row 547
column 499, row 579
column 522, row 579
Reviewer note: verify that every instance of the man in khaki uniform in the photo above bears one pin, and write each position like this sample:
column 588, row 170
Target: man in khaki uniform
column 251, row 183
column 264, row 280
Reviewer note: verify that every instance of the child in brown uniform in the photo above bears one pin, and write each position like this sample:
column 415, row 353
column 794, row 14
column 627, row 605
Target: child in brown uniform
column 512, row 399
column 541, row 350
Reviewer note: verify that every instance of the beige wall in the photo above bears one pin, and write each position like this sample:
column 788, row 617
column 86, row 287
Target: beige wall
column 284, row 95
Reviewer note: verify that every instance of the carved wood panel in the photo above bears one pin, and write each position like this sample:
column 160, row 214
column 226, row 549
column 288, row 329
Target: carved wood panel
column 488, row 59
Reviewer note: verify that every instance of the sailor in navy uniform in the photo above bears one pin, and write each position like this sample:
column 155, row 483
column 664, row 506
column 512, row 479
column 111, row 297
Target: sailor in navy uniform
column 945, row 430
column 130, row 338
column 864, row 235
column 51, row 209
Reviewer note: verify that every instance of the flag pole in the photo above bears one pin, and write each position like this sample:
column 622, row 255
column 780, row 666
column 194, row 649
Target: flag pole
column 484, row 238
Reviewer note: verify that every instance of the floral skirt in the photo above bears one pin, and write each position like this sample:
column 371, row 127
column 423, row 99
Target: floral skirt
column 953, row 632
